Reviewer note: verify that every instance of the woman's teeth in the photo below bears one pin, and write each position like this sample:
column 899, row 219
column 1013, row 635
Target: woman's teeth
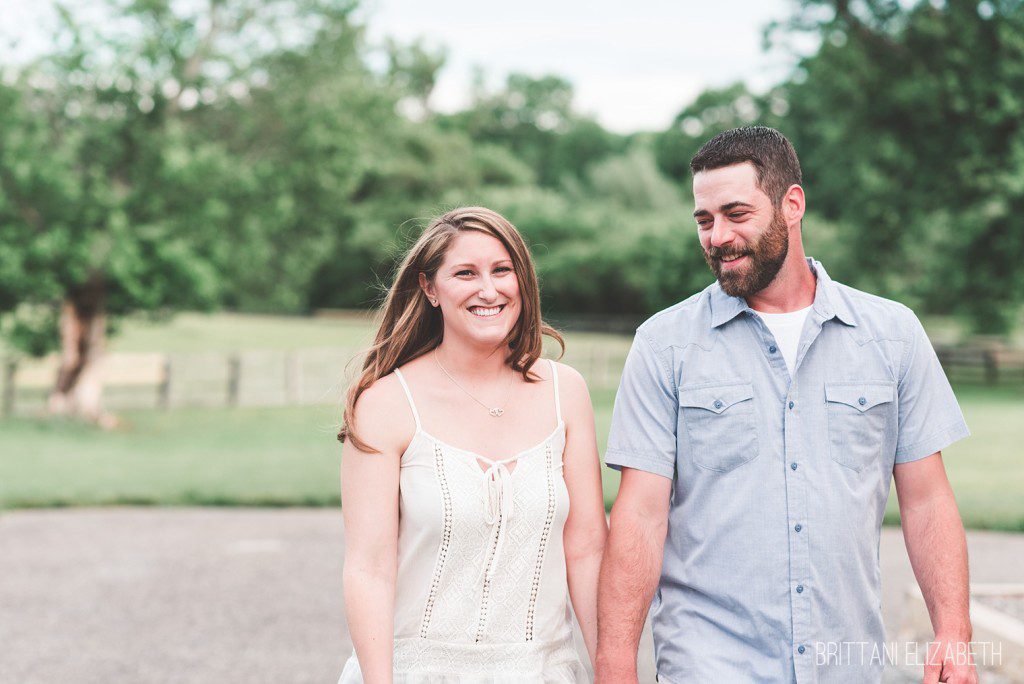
column 483, row 313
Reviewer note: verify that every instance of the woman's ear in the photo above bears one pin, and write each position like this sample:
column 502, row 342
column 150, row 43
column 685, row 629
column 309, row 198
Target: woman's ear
column 428, row 289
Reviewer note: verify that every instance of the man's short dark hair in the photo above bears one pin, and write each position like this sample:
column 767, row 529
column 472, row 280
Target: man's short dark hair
column 769, row 151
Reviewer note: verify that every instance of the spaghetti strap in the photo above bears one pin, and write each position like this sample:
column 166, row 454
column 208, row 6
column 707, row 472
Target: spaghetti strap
column 558, row 402
column 408, row 395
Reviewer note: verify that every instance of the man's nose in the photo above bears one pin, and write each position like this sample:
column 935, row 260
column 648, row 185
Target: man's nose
column 721, row 234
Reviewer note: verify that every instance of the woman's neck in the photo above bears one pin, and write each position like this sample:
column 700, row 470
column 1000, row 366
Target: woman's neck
column 472, row 361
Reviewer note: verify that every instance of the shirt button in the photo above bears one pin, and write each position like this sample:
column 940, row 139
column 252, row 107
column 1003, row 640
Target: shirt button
column 791, row 404
column 772, row 349
column 718, row 403
column 798, row 527
column 800, row 650
column 862, row 401
column 793, row 466
column 799, row 588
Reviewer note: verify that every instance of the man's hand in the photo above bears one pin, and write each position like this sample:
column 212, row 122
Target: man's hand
column 950, row 660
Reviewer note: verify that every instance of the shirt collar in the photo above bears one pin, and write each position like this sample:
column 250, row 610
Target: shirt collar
column 828, row 301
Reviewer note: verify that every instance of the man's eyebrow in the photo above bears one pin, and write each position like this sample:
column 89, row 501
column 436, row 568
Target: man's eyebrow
column 725, row 207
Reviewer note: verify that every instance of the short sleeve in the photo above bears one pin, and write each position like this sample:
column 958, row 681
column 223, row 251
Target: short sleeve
column 643, row 430
column 929, row 416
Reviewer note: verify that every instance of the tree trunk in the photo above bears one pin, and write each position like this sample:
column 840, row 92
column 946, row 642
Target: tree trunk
column 83, row 325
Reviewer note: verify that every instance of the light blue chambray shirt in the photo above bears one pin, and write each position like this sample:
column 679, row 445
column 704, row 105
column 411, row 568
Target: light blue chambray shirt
column 778, row 486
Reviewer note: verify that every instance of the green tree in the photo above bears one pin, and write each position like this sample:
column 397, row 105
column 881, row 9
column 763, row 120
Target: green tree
column 910, row 126
column 175, row 157
column 534, row 119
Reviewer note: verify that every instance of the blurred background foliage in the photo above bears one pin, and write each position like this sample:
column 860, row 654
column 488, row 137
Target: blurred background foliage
column 246, row 156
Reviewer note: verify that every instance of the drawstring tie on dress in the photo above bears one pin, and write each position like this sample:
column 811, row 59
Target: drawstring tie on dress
column 498, row 498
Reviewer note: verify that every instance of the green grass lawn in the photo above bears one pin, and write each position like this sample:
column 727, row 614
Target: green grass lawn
column 289, row 456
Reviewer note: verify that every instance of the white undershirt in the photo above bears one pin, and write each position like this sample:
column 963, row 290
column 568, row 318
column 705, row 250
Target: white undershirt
column 786, row 327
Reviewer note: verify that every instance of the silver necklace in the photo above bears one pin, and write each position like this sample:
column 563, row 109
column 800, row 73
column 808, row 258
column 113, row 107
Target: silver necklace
column 495, row 411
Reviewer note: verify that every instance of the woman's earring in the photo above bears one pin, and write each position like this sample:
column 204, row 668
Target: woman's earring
column 433, row 302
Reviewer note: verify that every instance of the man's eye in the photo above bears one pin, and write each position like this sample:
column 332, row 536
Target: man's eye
column 704, row 223
column 736, row 215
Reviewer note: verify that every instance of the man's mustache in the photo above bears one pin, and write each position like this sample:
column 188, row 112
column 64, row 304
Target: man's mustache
column 721, row 252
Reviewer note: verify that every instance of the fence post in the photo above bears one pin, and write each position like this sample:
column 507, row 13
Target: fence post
column 292, row 375
column 991, row 367
column 7, row 401
column 234, row 377
column 163, row 391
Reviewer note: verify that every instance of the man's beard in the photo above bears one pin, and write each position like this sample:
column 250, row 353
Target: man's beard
column 766, row 257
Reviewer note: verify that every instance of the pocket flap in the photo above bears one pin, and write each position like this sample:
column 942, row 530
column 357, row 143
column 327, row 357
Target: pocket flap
column 860, row 396
column 717, row 398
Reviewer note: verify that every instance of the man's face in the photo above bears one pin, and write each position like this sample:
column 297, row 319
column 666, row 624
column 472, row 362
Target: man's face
column 744, row 238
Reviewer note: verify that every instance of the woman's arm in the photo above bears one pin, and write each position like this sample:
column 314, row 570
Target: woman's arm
column 586, row 527
column 369, row 495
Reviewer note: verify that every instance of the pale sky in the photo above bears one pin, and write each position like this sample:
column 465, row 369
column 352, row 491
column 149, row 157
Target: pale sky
column 634, row 65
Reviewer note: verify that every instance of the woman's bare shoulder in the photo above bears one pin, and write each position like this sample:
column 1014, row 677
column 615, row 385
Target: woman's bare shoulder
column 382, row 414
column 572, row 389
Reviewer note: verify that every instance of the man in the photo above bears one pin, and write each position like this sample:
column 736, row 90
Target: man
column 757, row 427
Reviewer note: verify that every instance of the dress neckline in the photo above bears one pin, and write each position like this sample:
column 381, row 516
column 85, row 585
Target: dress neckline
column 560, row 426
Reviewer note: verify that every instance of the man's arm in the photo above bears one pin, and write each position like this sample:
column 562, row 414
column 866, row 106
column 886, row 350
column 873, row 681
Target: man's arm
column 934, row 535
column 630, row 571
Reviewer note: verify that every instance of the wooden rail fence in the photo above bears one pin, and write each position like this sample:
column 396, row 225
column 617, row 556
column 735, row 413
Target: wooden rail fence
column 318, row 376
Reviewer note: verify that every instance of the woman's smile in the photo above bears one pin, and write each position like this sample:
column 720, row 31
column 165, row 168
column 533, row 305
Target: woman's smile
column 486, row 311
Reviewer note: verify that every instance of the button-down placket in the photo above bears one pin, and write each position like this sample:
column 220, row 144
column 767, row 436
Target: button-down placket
column 797, row 484
column 797, row 490
column 768, row 344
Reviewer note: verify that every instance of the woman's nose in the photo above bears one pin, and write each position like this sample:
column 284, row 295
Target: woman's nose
column 487, row 289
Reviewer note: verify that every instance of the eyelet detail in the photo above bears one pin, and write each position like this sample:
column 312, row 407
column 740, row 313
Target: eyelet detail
column 542, row 547
column 446, row 540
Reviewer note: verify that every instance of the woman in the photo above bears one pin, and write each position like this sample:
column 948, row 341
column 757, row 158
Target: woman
column 471, row 485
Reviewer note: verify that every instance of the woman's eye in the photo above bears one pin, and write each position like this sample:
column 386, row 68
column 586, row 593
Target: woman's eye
column 503, row 269
column 464, row 272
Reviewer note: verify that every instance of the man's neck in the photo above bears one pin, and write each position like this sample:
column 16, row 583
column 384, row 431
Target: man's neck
column 791, row 290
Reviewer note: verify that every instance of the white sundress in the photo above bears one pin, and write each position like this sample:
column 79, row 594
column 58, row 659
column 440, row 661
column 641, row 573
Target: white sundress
column 481, row 595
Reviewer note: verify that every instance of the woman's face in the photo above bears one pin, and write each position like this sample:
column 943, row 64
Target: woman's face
column 476, row 289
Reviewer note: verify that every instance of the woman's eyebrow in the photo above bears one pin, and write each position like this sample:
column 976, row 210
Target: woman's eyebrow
column 469, row 265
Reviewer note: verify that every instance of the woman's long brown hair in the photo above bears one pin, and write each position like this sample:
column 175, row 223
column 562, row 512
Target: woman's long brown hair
column 410, row 327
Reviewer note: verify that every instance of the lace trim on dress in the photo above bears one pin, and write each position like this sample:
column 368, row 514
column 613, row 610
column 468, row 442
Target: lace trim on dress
column 485, row 593
column 541, row 551
column 446, row 540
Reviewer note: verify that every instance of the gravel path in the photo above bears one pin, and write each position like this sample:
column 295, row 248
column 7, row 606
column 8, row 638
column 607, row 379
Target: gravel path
column 232, row 595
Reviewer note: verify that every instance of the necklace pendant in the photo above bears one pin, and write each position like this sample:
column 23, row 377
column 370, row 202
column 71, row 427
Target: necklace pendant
column 496, row 412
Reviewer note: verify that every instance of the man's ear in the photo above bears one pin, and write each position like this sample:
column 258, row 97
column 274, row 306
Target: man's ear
column 794, row 204
column 428, row 289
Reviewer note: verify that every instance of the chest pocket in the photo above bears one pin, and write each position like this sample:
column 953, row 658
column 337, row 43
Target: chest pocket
column 720, row 425
column 859, row 417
